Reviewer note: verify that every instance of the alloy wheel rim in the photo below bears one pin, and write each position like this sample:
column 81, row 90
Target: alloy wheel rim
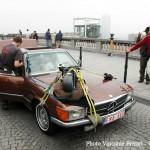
column 42, row 117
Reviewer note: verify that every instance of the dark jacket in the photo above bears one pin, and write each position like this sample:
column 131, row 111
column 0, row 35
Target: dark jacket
column 48, row 35
column 59, row 36
column 35, row 36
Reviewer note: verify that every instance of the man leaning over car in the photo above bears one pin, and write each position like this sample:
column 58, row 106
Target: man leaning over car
column 11, row 58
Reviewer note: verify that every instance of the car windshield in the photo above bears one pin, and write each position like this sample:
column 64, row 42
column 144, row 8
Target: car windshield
column 45, row 62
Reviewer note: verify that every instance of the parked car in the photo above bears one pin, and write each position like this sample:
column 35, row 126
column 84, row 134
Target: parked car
column 109, row 98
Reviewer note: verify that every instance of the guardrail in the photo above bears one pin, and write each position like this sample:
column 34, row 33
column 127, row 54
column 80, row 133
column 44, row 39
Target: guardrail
column 100, row 45
column 90, row 44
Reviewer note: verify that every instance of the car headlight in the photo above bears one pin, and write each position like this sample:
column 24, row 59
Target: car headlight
column 130, row 96
column 76, row 114
column 70, row 115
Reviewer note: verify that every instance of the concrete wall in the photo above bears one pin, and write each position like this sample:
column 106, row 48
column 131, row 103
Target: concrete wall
column 27, row 43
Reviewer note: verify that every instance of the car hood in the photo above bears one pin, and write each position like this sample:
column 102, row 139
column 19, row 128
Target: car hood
column 99, row 89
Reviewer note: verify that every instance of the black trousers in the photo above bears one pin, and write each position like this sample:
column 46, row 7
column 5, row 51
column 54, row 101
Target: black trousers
column 143, row 65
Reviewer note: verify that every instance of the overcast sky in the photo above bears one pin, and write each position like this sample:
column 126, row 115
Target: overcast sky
column 127, row 16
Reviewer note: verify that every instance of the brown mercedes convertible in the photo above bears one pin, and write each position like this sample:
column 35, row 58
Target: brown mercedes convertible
column 62, row 93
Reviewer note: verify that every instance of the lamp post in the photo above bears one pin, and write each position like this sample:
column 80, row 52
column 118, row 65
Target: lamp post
column 111, row 44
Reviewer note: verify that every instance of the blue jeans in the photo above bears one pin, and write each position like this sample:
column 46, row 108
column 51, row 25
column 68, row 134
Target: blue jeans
column 48, row 43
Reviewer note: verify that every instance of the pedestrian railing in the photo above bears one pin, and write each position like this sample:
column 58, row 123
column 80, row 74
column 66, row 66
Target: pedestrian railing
column 90, row 44
column 100, row 45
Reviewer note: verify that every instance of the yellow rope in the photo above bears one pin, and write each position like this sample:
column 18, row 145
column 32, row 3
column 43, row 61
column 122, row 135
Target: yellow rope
column 94, row 73
column 89, row 100
column 46, row 91
column 102, row 75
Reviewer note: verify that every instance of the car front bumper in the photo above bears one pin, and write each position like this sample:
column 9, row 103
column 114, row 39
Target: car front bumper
column 86, row 121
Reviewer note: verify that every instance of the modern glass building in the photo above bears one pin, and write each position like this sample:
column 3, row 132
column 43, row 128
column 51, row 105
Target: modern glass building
column 87, row 27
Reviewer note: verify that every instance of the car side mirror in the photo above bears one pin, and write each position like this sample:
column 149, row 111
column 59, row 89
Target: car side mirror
column 78, row 62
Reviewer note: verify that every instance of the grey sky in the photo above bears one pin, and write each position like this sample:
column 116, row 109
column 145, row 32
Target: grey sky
column 127, row 16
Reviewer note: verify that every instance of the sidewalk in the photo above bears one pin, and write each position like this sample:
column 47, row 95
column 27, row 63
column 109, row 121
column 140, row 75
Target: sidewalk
column 101, row 63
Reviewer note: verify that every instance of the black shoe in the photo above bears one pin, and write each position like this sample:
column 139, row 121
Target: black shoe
column 147, row 82
column 140, row 81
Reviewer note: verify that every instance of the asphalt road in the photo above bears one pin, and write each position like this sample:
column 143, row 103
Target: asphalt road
column 19, row 131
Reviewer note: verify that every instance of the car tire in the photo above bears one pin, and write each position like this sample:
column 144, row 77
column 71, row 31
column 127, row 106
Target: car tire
column 68, row 83
column 44, row 120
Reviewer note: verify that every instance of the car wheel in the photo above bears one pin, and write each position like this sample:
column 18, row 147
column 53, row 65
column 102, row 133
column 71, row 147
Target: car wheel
column 44, row 121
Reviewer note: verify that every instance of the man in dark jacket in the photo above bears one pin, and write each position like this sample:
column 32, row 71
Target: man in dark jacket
column 58, row 39
column 11, row 57
column 48, row 38
column 35, row 36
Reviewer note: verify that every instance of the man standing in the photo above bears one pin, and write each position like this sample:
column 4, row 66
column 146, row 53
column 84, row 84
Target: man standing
column 11, row 59
column 35, row 36
column 20, row 32
column 144, row 58
column 48, row 38
column 28, row 34
column 144, row 41
column 54, row 39
column 58, row 39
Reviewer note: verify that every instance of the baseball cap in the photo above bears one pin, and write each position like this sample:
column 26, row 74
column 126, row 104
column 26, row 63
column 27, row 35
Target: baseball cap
column 147, row 29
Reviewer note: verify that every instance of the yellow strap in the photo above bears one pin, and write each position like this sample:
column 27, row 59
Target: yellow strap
column 90, row 102
column 88, row 98
column 46, row 91
column 96, row 73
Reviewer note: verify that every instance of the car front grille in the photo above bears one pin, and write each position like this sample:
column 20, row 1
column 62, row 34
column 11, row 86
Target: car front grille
column 102, row 109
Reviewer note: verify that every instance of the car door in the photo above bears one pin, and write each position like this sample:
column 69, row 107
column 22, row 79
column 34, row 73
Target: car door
column 11, row 87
